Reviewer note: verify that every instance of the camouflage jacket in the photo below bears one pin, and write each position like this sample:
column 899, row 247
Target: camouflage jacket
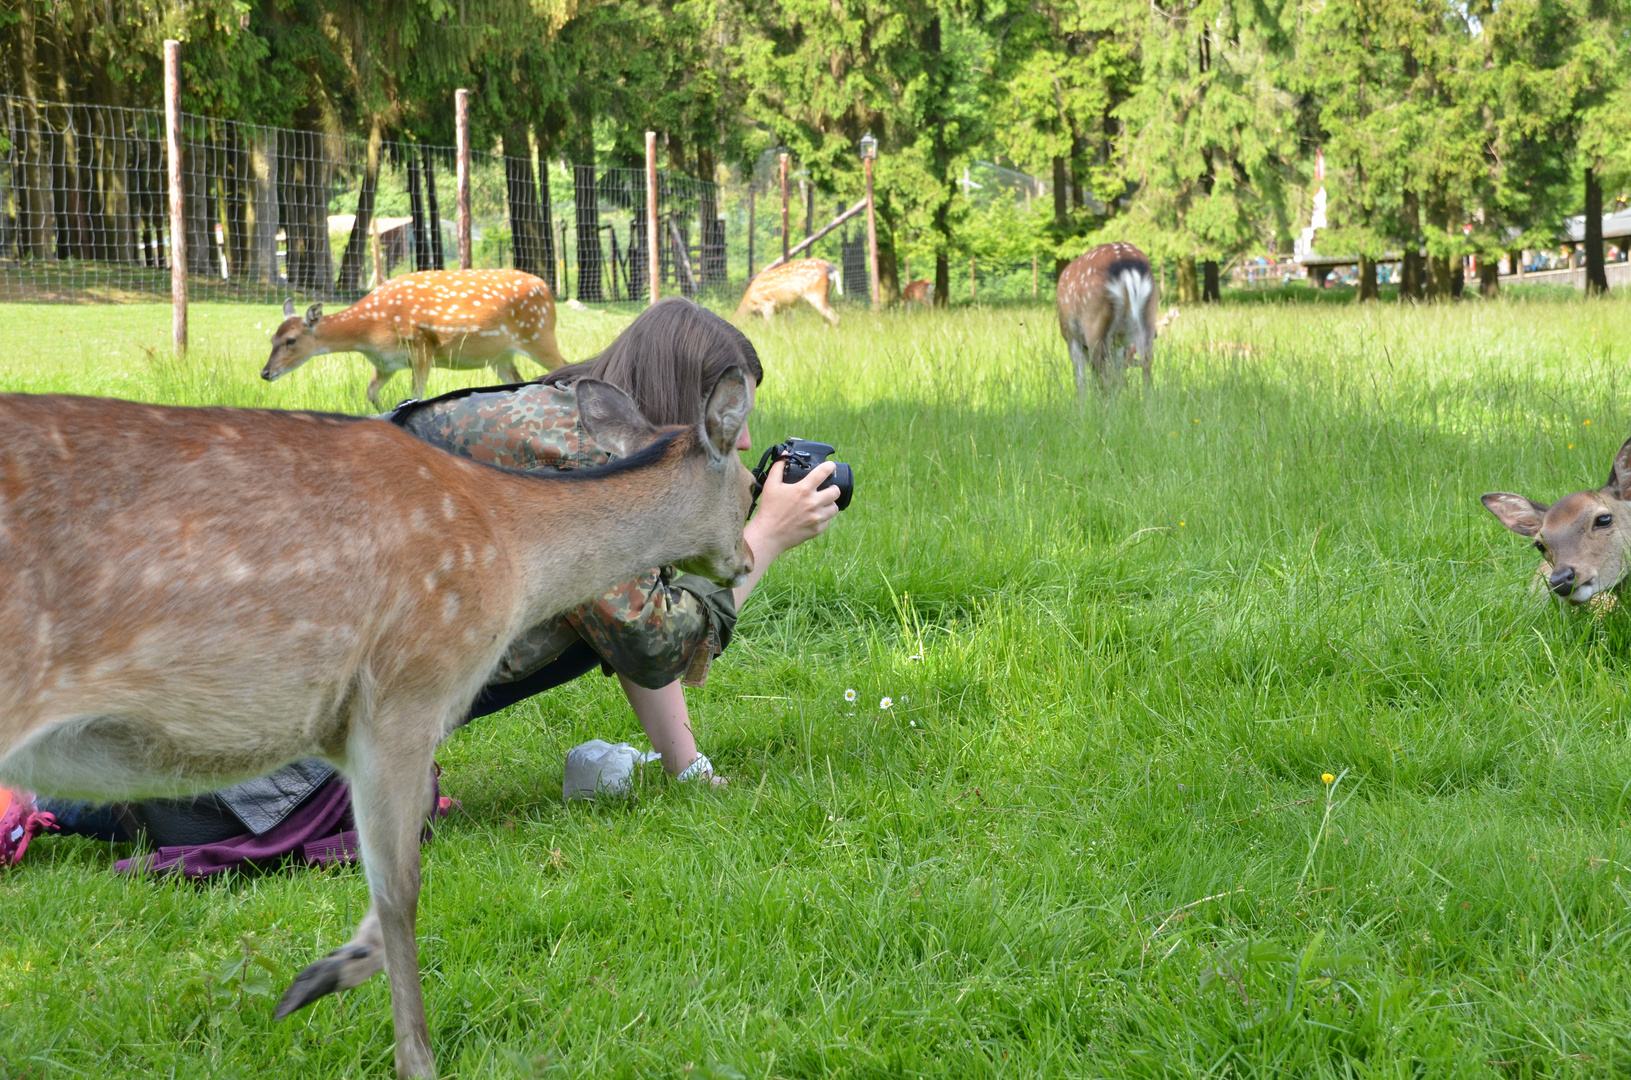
column 657, row 628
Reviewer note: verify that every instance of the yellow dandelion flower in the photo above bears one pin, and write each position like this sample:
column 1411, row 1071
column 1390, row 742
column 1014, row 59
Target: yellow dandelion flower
column 1588, row 423
column 1328, row 778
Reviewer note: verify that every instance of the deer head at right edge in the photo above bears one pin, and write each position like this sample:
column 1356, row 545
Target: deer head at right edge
column 1583, row 537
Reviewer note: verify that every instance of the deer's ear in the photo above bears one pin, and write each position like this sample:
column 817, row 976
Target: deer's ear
column 288, row 308
column 313, row 313
column 1619, row 474
column 727, row 411
column 1523, row 516
column 611, row 418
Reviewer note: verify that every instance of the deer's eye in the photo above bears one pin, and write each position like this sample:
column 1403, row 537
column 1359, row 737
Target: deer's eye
column 1540, row 547
column 1604, row 521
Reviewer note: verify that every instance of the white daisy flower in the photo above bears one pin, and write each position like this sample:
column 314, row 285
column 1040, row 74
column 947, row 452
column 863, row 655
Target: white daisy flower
column 849, row 695
column 886, row 703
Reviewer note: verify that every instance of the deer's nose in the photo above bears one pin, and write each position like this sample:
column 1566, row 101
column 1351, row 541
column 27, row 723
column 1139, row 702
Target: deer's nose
column 1561, row 580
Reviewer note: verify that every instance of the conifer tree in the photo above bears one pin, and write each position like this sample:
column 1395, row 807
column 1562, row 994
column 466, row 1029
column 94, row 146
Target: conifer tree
column 1210, row 132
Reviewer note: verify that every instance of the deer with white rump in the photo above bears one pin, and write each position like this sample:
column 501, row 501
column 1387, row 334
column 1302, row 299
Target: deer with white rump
column 461, row 320
column 192, row 596
column 781, row 286
column 1583, row 538
column 1108, row 303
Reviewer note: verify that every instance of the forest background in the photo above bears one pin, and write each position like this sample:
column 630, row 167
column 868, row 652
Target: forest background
column 1190, row 127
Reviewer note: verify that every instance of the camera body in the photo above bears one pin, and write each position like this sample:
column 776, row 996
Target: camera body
column 801, row 456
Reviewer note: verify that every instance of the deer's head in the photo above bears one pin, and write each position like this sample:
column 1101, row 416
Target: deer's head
column 1583, row 537
column 717, row 489
column 294, row 341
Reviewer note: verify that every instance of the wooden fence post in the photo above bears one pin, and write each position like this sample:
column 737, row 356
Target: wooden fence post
column 178, row 217
column 653, row 256
column 461, row 125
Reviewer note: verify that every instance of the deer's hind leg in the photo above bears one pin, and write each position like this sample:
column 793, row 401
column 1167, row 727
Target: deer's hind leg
column 1078, row 361
column 818, row 300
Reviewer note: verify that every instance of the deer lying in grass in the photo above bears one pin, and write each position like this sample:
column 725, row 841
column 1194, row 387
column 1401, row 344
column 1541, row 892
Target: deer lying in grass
column 192, row 596
column 456, row 319
column 1107, row 302
column 784, row 285
column 1582, row 537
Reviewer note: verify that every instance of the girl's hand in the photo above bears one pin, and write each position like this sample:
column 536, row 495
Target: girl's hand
column 790, row 514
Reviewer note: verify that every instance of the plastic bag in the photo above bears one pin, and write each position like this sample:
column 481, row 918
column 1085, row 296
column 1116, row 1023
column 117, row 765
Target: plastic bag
column 598, row 767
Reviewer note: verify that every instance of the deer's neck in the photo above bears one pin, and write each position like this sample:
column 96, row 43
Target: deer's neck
column 574, row 538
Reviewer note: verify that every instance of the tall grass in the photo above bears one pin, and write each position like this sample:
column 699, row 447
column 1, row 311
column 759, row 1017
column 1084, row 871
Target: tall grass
column 1123, row 641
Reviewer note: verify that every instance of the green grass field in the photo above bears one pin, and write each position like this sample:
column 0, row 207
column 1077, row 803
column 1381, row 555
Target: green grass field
column 1090, row 838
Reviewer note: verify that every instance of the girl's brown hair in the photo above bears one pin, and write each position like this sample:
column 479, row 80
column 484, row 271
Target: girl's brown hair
column 669, row 359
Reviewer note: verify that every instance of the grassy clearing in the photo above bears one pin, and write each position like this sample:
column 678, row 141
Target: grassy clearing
column 1090, row 837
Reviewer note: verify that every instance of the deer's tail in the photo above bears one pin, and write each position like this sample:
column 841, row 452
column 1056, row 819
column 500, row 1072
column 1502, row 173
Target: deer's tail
column 1130, row 292
column 836, row 279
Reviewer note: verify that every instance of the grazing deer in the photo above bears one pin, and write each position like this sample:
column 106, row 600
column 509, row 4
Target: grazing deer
column 191, row 596
column 1582, row 538
column 920, row 291
column 782, row 286
column 1107, row 302
column 456, row 319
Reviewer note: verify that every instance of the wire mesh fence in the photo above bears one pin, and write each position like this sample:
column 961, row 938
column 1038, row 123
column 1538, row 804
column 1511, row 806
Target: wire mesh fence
column 275, row 212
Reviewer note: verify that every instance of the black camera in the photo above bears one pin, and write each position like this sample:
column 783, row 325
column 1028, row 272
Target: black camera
column 802, row 455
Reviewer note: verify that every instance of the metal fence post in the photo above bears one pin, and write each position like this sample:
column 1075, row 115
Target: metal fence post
column 178, row 220
column 461, row 123
column 653, row 259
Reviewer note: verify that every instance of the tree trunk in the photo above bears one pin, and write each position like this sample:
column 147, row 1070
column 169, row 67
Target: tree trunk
column 305, row 211
column 546, row 210
column 198, row 184
column 521, row 197
column 888, row 263
column 942, row 279
column 1188, row 291
column 710, row 227
column 434, row 220
column 1412, row 271
column 35, row 219
column 1367, row 280
column 357, row 244
column 1211, row 288
column 237, row 186
column 416, row 207
column 1458, row 277
column 264, row 171
column 1061, row 213
column 588, row 232
column 1596, row 271
column 1514, row 262
column 1489, row 277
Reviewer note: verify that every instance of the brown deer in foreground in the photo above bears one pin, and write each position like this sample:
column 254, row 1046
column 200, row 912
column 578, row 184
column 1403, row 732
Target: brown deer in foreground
column 1582, row 538
column 461, row 320
column 1108, row 302
column 192, row 596
column 784, row 285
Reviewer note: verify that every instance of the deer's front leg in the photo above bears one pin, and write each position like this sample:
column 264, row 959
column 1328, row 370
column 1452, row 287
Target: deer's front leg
column 352, row 964
column 379, row 379
column 390, row 774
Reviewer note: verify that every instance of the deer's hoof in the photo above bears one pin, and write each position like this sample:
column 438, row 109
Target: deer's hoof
column 341, row 969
